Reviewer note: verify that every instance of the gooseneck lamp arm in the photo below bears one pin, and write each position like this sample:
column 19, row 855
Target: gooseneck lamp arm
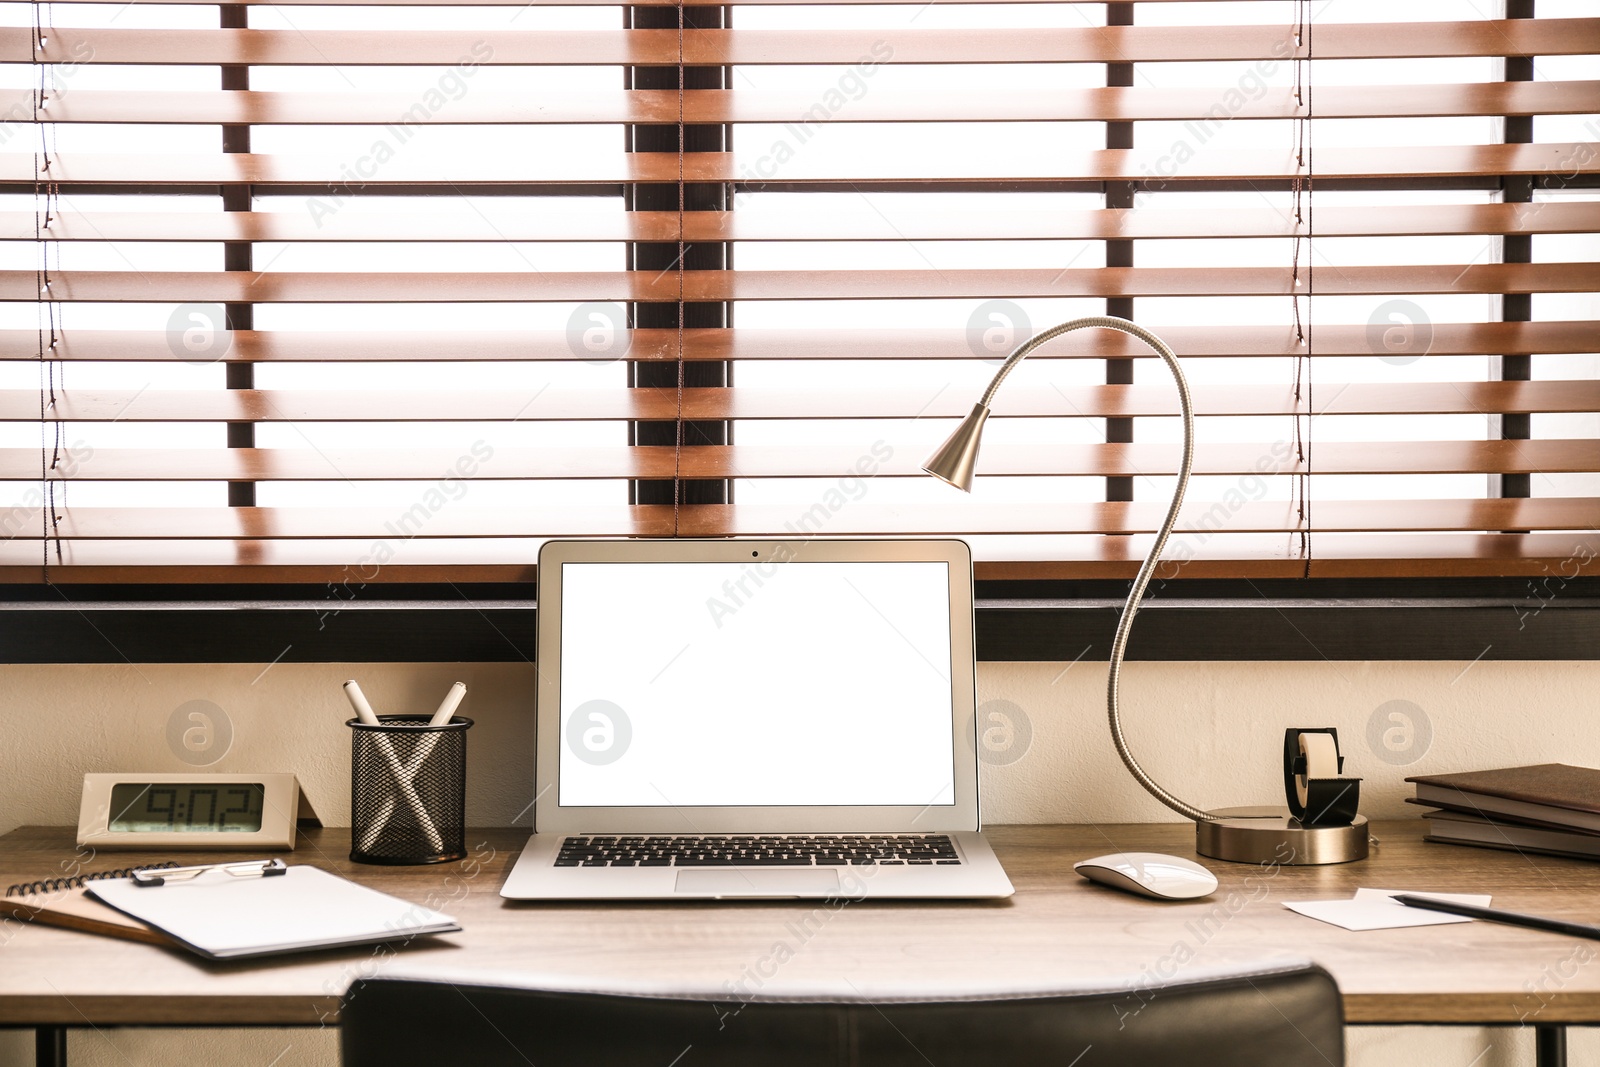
column 957, row 457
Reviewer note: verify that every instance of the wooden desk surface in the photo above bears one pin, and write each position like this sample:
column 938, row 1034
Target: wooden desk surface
column 1057, row 928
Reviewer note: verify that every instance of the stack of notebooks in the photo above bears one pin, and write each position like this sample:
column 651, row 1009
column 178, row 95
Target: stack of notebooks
column 1549, row 808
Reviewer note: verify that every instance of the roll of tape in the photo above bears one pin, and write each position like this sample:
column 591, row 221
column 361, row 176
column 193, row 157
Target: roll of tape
column 1319, row 758
column 1312, row 785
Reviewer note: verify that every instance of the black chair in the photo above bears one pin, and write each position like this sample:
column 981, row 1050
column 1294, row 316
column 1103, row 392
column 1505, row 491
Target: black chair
column 1274, row 1017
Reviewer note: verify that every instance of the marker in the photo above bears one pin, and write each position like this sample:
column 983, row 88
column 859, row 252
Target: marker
column 447, row 710
column 452, row 701
column 358, row 700
column 441, row 717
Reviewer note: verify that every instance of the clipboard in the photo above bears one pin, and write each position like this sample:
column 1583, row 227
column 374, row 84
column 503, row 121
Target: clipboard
column 229, row 911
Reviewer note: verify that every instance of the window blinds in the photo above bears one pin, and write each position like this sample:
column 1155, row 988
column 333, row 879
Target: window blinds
column 360, row 293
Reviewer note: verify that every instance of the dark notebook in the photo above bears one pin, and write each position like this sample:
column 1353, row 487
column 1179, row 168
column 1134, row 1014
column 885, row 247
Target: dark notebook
column 1456, row 828
column 1549, row 794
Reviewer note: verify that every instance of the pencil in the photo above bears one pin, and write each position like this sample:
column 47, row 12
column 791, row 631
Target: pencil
column 1495, row 915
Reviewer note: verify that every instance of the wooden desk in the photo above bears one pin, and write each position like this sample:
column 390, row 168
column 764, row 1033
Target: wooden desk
column 1057, row 928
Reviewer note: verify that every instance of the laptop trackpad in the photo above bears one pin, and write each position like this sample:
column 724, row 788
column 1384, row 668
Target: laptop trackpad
column 748, row 882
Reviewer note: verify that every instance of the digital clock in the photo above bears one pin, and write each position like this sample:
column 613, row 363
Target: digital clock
column 198, row 811
column 185, row 807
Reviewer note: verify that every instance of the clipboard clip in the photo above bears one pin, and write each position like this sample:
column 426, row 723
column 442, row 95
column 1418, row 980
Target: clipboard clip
column 268, row 869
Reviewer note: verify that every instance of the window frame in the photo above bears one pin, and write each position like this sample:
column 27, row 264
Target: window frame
column 1209, row 620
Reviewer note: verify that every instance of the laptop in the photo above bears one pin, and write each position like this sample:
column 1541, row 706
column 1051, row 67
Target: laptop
column 727, row 719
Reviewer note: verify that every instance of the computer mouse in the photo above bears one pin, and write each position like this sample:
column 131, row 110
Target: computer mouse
column 1149, row 874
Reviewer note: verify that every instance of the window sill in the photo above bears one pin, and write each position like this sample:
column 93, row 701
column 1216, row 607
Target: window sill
column 1034, row 621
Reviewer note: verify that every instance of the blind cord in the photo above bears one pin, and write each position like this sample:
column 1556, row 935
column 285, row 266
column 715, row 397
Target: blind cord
column 42, row 280
column 1311, row 279
column 677, row 430
column 1303, row 187
column 45, row 194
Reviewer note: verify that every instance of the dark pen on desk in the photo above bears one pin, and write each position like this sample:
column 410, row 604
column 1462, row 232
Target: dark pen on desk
column 1495, row 915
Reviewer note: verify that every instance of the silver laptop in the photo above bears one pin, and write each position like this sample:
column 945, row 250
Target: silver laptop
column 737, row 719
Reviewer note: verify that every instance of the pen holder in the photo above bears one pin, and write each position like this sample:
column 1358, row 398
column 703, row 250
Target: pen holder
column 408, row 790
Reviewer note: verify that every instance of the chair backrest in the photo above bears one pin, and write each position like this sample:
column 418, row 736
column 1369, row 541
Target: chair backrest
column 1273, row 1017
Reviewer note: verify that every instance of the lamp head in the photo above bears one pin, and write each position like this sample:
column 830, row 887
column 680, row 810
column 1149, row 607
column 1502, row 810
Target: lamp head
column 953, row 461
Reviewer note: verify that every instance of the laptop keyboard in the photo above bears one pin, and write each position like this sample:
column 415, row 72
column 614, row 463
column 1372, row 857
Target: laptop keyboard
column 786, row 850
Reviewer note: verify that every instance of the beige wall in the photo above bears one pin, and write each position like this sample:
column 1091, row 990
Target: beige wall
column 1212, row 733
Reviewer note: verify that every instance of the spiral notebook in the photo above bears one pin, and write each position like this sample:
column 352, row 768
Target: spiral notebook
column 223, row 913
column 65, row 902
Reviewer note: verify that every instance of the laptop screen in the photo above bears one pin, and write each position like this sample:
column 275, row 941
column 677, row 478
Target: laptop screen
column 712, row 684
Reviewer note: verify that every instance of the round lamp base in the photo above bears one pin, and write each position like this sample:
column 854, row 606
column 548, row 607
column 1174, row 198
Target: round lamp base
column 1272, row 835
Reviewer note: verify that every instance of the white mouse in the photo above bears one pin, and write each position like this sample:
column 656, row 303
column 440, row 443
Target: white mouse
column 1149, row 874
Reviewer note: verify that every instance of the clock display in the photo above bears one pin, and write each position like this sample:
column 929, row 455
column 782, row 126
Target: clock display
column 189, row 807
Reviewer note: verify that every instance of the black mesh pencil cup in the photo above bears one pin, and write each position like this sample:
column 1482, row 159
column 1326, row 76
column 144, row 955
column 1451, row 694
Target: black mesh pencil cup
column 408, row 790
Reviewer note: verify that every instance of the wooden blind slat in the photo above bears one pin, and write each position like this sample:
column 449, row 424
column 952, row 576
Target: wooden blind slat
column 469, row 226
column 649, row 47
column 1190, row 342
column 716, row 520
column 331, row 177
column 1356, row 516
column 563, row 3
column 762, row 461
column 1097, row 401
column 661, row 107
column 507, row 560
column 1577, row 216
column 1109, row 460
column 1338, row 555
column 1567, row 159
column 304, row 287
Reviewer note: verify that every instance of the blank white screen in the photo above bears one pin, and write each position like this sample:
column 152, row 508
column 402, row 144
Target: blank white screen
column 756, row 684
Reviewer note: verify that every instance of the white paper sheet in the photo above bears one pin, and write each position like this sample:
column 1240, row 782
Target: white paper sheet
column 1374, row 909
column 226, row 917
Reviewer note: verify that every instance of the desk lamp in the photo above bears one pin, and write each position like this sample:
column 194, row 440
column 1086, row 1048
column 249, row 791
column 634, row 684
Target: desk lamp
column 1245, row 835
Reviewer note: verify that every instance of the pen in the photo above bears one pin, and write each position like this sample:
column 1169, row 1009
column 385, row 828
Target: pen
column 358, row 701
column 452, row 701
column 1512, row 918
